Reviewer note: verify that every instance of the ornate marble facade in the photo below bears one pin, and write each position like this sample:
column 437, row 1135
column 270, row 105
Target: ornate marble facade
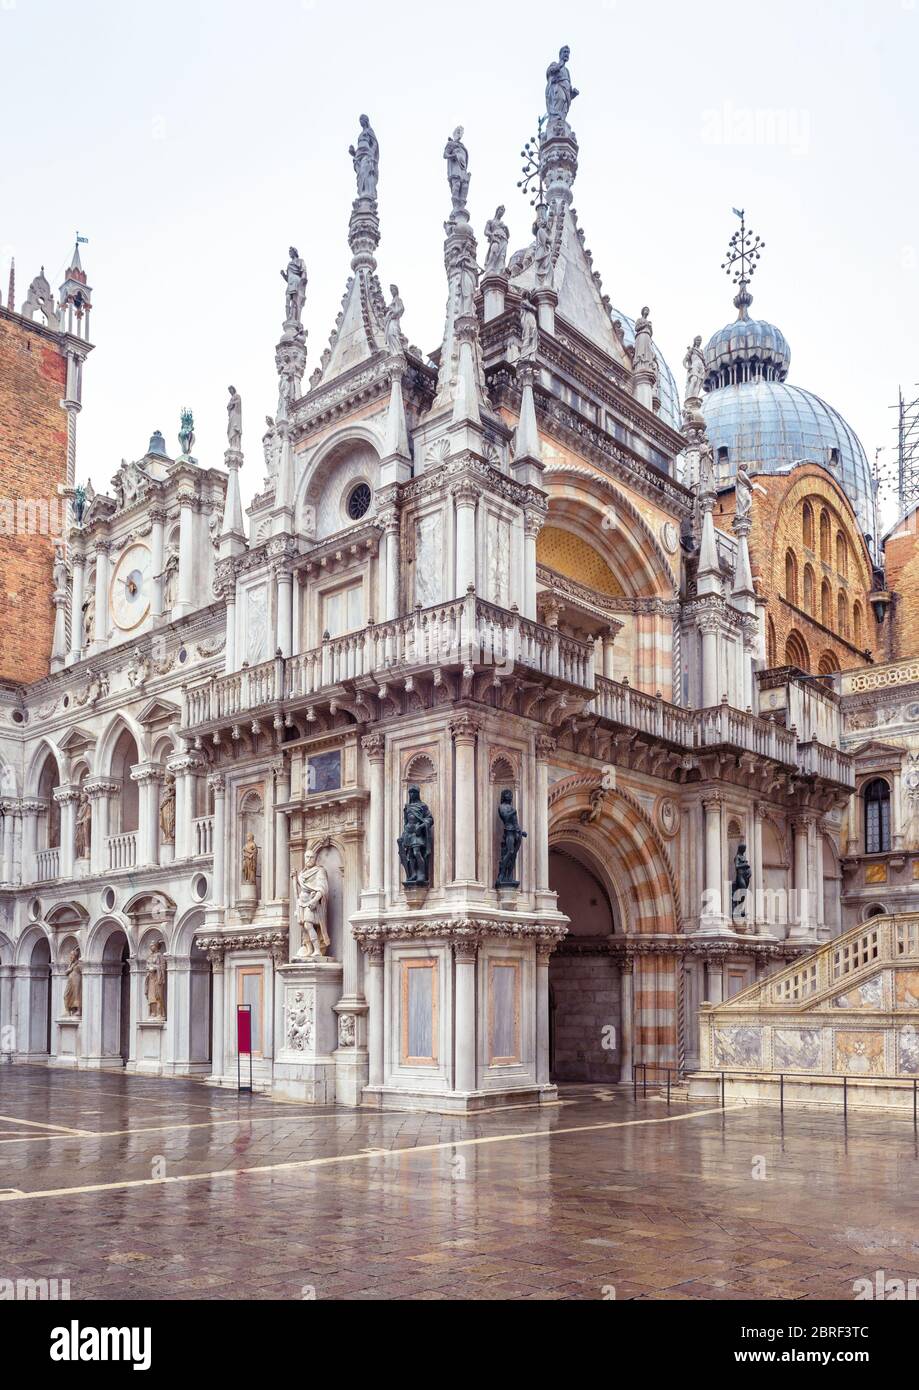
column 478, row 575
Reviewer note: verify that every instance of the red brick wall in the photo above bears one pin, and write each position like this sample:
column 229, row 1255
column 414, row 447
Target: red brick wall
column 901, row 561
column 33, row 462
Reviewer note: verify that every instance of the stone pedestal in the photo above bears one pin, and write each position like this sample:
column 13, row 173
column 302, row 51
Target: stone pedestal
column 68, row 1041
column 247, row 901
column 307, row 1030
column 150, row 1035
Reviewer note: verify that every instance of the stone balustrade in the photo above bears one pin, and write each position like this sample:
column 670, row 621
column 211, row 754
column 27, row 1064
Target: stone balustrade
column 47, row 865
column 121, row 850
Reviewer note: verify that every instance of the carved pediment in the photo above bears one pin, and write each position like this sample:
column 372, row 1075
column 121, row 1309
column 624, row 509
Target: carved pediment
column 158, row 714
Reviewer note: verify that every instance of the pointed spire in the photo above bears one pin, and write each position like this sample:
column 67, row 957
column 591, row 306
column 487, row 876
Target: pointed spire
column 461, row 378
column 396, row 443
column 11, row 296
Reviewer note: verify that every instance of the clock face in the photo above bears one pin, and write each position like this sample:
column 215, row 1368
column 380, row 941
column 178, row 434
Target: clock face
column 131, row 587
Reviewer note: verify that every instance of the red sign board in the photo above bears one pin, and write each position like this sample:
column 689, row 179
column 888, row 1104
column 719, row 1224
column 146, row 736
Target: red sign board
column 244, row 1028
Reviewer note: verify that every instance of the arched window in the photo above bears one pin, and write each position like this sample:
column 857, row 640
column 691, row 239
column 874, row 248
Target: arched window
column 876, row 797
column 857, row 624
column 809, row 588
column 842, row 554
column 796, row 653
column 771, row 649
column 826, row 604
column 842, row 614
column 807, row 525
column 825, row 537
column 828, row 663
column 791, row 577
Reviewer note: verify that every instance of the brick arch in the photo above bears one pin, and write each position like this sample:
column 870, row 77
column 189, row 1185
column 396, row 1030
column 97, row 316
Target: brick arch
column 627, row 842
column 585, row 502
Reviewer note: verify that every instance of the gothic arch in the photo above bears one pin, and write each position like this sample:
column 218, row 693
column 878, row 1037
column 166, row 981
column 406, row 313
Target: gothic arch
column 582, row 500
column 43, row 750
column 623, row 838
column 105, row 748
column 99, row 934
column 356, row 437
column 34, row 932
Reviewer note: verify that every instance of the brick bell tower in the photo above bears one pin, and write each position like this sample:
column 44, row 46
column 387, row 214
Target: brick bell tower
column 43, row 346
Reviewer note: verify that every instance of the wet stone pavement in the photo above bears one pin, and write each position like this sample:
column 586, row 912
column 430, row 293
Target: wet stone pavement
column 140, row 1188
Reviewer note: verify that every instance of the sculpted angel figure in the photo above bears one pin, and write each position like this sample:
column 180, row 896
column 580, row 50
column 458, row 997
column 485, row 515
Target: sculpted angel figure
column 559, row 91
column 458, row 175
column 694, row 362
column 295, row 277
column 395, row 342
column 366, row 159
column 497, row 236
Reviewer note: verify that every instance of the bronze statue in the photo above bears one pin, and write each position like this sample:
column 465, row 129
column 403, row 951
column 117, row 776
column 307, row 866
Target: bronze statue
column 416, row 843
column 511, row 839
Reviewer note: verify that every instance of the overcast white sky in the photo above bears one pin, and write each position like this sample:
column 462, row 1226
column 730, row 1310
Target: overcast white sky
column 194, row 140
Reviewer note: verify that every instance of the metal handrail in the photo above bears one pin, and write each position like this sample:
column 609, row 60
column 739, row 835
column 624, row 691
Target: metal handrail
column 902, row 1081
column 654, row 1066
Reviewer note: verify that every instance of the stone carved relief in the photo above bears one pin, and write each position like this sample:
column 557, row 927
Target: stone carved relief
column 299, row 1022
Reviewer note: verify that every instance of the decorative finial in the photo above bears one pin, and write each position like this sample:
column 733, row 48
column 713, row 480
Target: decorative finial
column 11, row 296
column 532, row 168
column 743, row 253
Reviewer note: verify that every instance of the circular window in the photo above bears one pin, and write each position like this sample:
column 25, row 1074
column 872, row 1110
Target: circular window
column 18, row 716
column 108, row 898
column 35, row 909
column 359, row 500
column 199, row 886
column 183, row 654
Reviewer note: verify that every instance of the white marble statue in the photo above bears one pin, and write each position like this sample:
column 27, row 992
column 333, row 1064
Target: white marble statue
column 559, row 91
column 366, row 158
column 497, row 236
column 155, row 981
column 250, row 859
column 542, row 256
column 312, row 897
column 89, row 620
column 395, row 341
column 644, row 351
column 84, row 827
column 467, row 277
column 234, row 420
column 743, row 494
column 529, row 327
column 295, row 278
column 168, row 813
column 60, row 569
column 458, row 175
column 170, row 578
column 138, row 668
column 694, row 362
column 271, row 444
column 73, row 989
column 706, row 469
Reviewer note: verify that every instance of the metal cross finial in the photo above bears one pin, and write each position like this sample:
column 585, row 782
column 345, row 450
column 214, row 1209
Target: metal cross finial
column 745, row 248
column 531, row 170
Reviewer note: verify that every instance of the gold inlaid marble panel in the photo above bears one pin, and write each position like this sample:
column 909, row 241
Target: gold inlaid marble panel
column 875, row 873
column 575, row 559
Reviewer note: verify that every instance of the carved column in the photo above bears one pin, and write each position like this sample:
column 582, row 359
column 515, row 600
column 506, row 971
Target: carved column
column 285, row 587
column 215, row 954
column 626, row 1020
column 711, row 627
column 819, row 904
column 545, row 749
column 67, row 797
column 374, row 745
column 217, row 783
column 187, row 503
column 465, row 953
column 544, row 951
column 392, row 530
column 464, row 729
column 801, row 928
column 10, row 809
column 184, row 768
column 713, row 884
column 608, row 667
column 230, row 629
column 99, row 790
column 31, row 810
column 714, row 971
column 59, row 640
column 158, row 522
column 281, row 771
column 465, row 495
column 103, row 622
column 76, row 606
column 532, row 525
column 148, row 777
column 374, row 980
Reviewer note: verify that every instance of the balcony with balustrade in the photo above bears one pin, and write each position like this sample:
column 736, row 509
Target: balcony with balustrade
column 484, row 646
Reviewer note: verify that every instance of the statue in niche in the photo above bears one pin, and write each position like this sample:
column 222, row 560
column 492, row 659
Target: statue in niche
column 250, row 859
column 743, row 494
column 83, row 836
column 644, row 353
column 542, row 256
column 529, row 326
column 458, row 175
column 741, row 884
column 497, row 236
column 295, row 277
column 312, row 900
column 694, row 362
column 168, row 812
column 511, row 839
column 234, row 420
column 559, row 91
column 170, row 578
column 89, row 620
column 395, row 341
column 155, row 981
column 416, row 843
column 60, row 569
column 366, row 159
column 73, row 988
